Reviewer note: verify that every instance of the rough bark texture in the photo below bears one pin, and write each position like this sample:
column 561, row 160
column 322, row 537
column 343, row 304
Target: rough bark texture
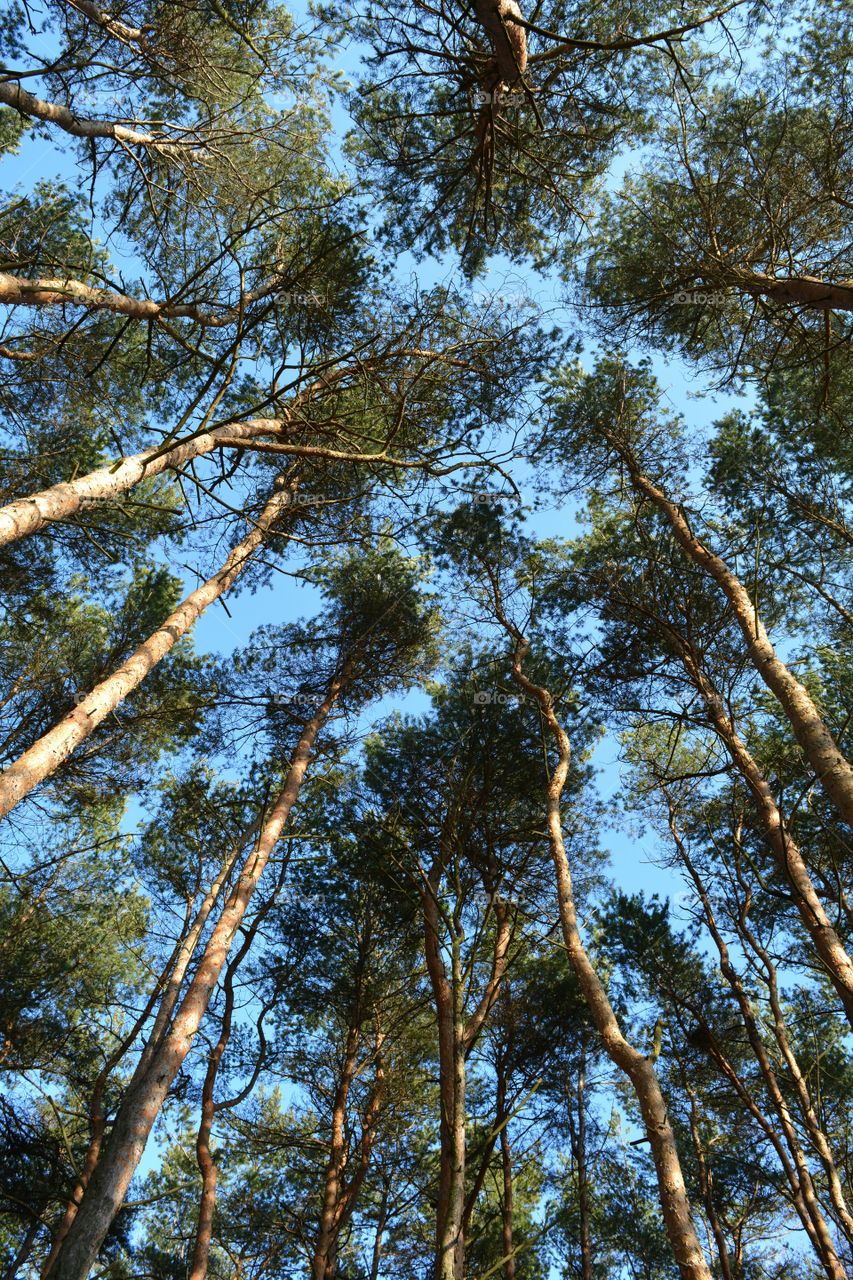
column 142, row 1102
column 48, row 753
column 508, row 39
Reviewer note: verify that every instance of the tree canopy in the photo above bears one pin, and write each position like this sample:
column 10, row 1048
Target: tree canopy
column 426, row 665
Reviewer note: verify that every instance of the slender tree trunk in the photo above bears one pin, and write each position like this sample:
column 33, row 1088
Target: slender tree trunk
column 816, row 1134
column 707, row 1190
column 832, row 769
column 324, row 1247
column 797, row 1173
column 142, row 1103
column 23, row 1251
column 26, row 515
column 382, row 1218
column 791, row 862
column 674, row 1200
column 204, row 1155
column 502, row 1119
column 583, row 1173
column 450, row 1241
column 53, row 748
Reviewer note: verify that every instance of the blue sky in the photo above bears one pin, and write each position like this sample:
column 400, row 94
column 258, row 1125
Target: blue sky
column 222, row 632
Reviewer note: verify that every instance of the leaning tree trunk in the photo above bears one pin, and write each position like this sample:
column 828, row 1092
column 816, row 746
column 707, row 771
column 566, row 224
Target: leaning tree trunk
column 141, row 1105
column 789, row 856
column 832, row 769
column 26, row 515
column 54, row 747
column 168, row 989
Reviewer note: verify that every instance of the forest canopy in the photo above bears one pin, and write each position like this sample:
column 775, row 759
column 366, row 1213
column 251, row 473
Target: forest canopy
column 426, row 663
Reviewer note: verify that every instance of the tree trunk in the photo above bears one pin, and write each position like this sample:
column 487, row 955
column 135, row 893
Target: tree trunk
column 502, row 1119
column 791, row 862
column 325, row 1244
column 707, row 1190
column 142, row 1102
column 583, row 1173
column 675, row 1204
column 26, row 515
column 832, row 769
column 53, row 748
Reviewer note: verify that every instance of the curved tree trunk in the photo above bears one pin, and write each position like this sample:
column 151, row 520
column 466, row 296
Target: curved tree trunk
column 792, row 864
column 832, row 769
column 674, row 1200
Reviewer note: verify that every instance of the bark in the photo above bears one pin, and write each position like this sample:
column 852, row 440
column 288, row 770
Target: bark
column 61, row 501
column 674, row 1200
column 382, row 1218
column 322, row 1262
column 27, row 104
column 821, row 750
column 23, row 1251
column 807, row 291
column 583, row 1173
column 827, row 943
column 340, row 1193
column 508, row 39
column 816, row 1133
column 796, row 1174
column 97, row 1115
column 53, row 291
column 142, row 1102
column 456, row 1038
column 115, row 27
column 26, row 515
column 506, row 1181
column 204, row 1155
column 53, row 748
column 705, row 1184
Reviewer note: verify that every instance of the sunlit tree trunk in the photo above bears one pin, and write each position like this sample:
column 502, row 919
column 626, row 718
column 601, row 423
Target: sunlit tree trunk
column 26, row 515
column 674, row 1200
column 142, row 1103
column 831, row 768
column 45, row 756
